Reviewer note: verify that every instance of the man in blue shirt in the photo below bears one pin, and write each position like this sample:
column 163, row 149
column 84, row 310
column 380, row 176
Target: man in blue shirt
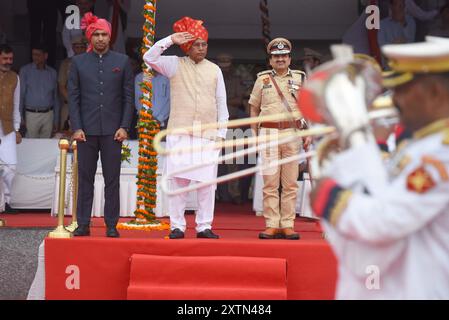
column 161, row 97
column 39, row 100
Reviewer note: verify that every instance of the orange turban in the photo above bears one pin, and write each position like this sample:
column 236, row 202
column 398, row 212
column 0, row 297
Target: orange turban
column 91, row 23
column 192, row 26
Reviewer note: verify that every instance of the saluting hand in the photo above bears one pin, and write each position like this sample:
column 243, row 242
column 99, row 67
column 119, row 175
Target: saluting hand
column 79, row 135
column 181, row 38
column 120, row 135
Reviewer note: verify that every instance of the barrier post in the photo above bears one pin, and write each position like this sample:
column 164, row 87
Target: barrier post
column 60, row 231
column 74, row 184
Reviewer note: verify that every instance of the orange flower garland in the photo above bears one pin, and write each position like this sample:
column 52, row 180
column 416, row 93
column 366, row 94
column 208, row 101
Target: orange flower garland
column 147, row 128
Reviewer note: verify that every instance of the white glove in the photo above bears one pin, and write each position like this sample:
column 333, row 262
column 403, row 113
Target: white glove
column 338, row 94
column 345, row 101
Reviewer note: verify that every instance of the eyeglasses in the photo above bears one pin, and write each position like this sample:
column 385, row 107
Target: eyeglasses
column 200, row 44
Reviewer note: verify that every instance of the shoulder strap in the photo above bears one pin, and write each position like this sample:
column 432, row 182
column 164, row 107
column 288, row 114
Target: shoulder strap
column 301, row 124
column 263, row 72
column 284, row 100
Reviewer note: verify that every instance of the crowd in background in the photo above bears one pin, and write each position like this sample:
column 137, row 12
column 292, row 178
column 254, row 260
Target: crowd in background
column 43, row 102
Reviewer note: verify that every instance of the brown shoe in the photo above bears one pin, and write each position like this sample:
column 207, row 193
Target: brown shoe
column 290, row 234
column 269, row 233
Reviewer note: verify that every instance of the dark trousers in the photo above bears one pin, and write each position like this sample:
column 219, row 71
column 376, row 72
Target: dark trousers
column 110, row 151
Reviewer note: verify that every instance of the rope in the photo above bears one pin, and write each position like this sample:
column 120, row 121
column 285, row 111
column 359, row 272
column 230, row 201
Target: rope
column 266, row 33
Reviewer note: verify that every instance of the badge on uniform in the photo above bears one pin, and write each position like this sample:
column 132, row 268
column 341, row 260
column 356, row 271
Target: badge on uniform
column 293, row 86
column 266, row 83
column 420, row 181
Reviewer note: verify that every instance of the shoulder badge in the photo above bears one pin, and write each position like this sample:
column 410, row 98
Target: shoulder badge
column 420, row 181
column 267, row 72
column 266, row 81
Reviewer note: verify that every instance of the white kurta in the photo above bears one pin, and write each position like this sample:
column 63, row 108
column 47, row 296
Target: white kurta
column 168, row 66
column 392, row 242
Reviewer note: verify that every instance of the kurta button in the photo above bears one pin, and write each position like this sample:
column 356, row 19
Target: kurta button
column 101, row 93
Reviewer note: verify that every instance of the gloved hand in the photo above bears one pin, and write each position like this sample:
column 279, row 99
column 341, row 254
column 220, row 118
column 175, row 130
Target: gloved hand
column 344, row 97
column 338, row 94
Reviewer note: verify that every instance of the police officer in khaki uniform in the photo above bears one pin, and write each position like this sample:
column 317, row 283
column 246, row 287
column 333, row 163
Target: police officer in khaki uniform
column 266, row 100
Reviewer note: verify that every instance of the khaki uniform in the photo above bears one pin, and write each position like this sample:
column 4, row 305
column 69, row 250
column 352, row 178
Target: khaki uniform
column 265, row 99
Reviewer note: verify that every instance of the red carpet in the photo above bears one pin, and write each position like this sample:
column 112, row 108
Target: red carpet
column 207, row 278
column 144, row 265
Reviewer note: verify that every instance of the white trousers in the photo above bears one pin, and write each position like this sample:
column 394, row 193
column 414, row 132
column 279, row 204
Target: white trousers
column 7, row 173
column 177, row 205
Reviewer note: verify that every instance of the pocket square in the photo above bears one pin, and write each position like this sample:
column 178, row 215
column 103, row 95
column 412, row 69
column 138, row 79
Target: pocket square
column 116, row 69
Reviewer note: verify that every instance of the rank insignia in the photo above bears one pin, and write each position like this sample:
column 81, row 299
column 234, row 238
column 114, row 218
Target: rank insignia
column 420, row 181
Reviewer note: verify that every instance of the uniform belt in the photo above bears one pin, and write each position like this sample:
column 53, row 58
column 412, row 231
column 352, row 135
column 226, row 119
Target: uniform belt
column 281, row 125
column 38, row 110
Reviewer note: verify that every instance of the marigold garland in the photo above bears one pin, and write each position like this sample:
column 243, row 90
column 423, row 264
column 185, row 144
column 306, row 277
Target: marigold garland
column 147, row 128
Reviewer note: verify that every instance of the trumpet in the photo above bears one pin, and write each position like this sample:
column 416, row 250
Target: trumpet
column 374, row 115
column 381, row 110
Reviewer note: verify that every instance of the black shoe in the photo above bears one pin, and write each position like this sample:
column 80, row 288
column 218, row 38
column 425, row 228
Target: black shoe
column 112, row 232
column 176, row 234
column 9, row 210
column 81, row 231
column 207, row 234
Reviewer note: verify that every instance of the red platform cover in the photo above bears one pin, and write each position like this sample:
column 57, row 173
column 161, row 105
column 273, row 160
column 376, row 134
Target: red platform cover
column 103, row 265
column 207, row 278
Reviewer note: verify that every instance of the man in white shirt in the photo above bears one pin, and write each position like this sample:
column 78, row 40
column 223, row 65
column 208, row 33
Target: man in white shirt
column 9, row 123
column 197, row 96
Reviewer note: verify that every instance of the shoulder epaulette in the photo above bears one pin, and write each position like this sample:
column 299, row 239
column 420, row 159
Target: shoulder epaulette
column 264, row 72
column 301, row 73
column 446, row 137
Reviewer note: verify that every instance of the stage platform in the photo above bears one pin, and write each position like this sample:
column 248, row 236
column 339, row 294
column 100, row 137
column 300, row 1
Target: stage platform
column 147, row 265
